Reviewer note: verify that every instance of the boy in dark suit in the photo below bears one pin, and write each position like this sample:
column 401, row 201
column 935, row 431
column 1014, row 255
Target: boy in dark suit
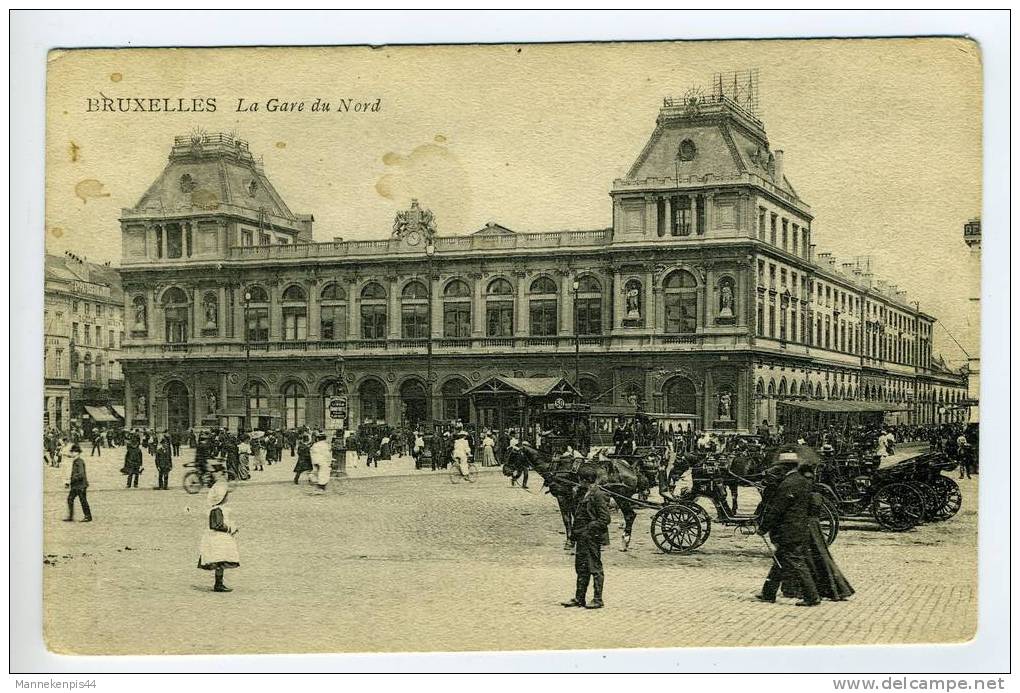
column 591, row 533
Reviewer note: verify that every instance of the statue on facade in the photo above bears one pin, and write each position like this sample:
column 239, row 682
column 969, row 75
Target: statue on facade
column 210, row 313
column 726, row 300
column 139, row 325
column 210, row 401
column 633, row 301
column 725, row 406
column 140, row 406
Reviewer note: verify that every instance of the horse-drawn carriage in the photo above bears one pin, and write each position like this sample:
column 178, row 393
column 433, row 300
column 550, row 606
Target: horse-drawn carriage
column 898, row 497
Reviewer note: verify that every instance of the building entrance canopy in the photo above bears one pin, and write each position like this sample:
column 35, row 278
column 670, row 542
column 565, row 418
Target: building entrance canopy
column 100, row 414
column 844, row 406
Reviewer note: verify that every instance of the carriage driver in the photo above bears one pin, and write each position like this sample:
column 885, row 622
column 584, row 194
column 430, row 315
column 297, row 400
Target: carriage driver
column 590, row 531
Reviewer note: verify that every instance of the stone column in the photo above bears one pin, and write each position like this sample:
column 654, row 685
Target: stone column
column 129, row 404
column 151, row 404
column 221, row 312
column 709, row 213
column 275, row 313
column 566, row 303
column 152, row 320
column 196, row 401
column 478, row 307
column 392, row 308
column 619, row 300
column 667, row 212
column 223, row 403
column 313, row 312
column 437, row 307
column 240, row 328
column 197, row 316
column 648, row 299
column 521, row 318
column 658, row 311
column 708, row 402
column 353, row 311
column 651, row 215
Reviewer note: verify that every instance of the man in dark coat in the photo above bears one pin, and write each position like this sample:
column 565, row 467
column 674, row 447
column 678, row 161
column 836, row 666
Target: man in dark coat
column 304, row 457
column 164, row 463
column 785, row 519
column 590, row 532
column 133, row 463
column 78, row 484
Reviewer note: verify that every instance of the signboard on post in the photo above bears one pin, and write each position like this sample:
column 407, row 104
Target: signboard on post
column 336, row 412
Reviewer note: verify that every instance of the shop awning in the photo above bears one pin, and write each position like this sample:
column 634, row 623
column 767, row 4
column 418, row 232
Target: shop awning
column 843, row 406
column 118, row 410
column 101, row 414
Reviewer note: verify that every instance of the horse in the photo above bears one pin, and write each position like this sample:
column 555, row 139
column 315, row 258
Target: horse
column 561, row 477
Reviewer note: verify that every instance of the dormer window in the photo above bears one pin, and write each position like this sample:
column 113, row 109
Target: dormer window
column 188, row 183
column 253, row 186
column 687, row 151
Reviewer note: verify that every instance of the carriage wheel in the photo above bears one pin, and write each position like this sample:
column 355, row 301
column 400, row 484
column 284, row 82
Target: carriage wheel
column 898, row 507
column 828, row 518
column 706, row 522
column 192, row 482
column 676, row 529
column 929, row 496
column 949, row 496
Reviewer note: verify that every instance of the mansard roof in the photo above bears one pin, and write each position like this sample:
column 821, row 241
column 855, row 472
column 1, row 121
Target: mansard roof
column 721, row 141
column 206, row 172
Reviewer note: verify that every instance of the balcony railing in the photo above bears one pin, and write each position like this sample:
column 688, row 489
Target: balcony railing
column 448, row 345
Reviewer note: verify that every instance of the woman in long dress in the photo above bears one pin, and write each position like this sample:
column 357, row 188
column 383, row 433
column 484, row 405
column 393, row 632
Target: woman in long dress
column 218, row 549
column 488, row 450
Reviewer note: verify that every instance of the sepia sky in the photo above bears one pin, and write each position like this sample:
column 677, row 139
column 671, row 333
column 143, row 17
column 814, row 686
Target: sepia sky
column 881, row 137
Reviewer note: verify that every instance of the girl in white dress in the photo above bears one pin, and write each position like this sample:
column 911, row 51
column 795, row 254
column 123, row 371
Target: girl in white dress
column 218, row 549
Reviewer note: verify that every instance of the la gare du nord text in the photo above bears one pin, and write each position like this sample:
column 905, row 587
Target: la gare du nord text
column 125, row 104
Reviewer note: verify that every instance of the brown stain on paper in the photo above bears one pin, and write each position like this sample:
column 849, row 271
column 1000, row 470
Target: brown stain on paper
column 75, row 149
column 87, row 188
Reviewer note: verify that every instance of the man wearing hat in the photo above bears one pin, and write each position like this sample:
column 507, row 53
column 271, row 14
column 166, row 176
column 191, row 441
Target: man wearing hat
column 133, row 462
column 785, row 519
column 590, row 532
column 78, row 484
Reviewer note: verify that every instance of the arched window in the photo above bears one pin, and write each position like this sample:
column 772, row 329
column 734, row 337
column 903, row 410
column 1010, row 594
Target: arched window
column 681, row 396
column 499, row 309
column 818, row 391
column 588, row 309
column 681, row 290
column 457, row 309
column 294, row 405
column 99, row 368
column 759, row 388
column 772, row 389
column 333, row 312
column 455, row 403
column 542, row 307
column 295, row 314
column 414, row 311
column 372, row 396
column 782, row 387
column 373, row 311
column 258, row 395
column 804, row 389
column 256, row 311
column 175, row 310
column 139, row 323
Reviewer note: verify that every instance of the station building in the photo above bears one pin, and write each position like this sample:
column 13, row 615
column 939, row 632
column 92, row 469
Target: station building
column 703, row 297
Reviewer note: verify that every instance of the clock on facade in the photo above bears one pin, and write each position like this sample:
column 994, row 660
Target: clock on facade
column 413, row 238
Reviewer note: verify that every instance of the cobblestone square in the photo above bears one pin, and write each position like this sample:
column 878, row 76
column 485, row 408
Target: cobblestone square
column 399, row 560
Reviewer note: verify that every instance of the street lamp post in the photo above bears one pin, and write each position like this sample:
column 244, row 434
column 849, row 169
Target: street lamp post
column 577, row 339
column 430, row 252
column 247, row 362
